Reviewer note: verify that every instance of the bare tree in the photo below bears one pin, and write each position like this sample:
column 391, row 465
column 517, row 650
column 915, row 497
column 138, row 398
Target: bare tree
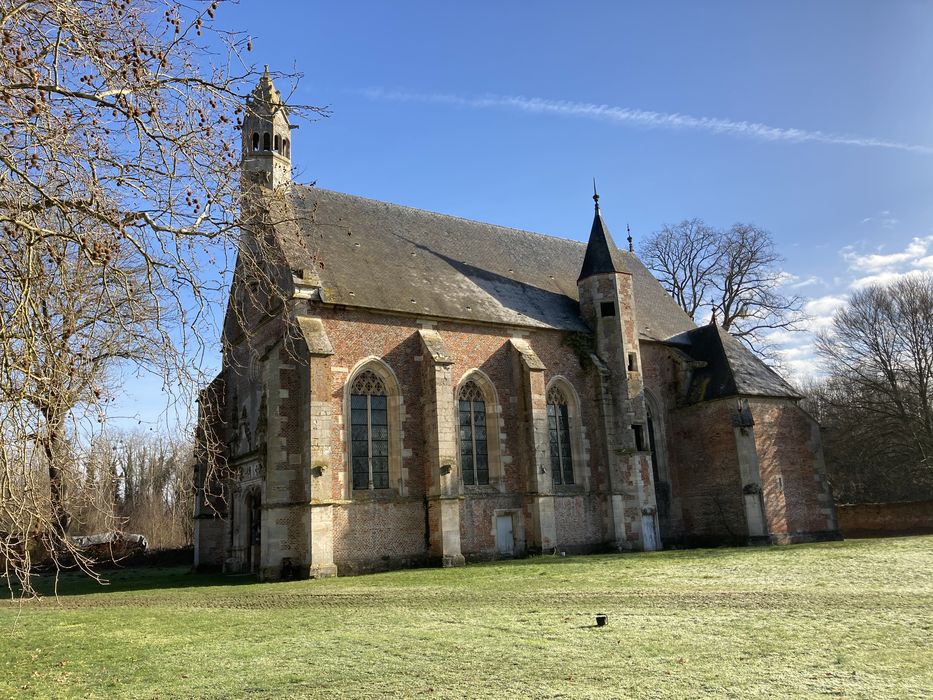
column 82, row 314
column 686, row 258
column 881, row 347
column 137, row 482
column 733, row 276
column 867, row 458
column 119, row 201
column 747, row 300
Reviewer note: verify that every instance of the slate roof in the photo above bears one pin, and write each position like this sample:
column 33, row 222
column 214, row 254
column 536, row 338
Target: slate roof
column 731, row 368
column 394, row 258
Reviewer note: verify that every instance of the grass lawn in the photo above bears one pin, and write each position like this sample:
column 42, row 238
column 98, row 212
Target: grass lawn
column 844, row 619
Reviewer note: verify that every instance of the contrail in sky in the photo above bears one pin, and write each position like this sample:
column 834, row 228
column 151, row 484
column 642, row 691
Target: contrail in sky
column 640, row 117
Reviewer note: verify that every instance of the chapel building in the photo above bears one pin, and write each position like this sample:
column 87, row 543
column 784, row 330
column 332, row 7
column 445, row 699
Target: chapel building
column 421, row 388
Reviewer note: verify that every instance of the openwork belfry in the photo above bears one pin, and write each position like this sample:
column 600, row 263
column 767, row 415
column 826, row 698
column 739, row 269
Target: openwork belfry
column 435, row 390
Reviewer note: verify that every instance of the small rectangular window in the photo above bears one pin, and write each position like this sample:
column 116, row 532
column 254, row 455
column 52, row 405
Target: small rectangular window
column 607, row 308
column 639, row 431
column 632, row 362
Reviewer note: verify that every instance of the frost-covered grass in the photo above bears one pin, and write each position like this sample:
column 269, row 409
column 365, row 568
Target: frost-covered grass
column 850, row 619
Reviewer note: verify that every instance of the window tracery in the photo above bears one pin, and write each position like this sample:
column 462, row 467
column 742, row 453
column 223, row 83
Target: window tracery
column 369, row 432
column 558, row 421
column 474, row 454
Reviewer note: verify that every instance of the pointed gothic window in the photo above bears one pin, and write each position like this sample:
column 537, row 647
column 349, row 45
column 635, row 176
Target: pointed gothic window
column 474, row 458
column 558, row 424
column 369, row 432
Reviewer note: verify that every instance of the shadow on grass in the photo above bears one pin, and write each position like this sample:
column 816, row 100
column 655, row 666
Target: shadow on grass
column 128, row 580
column 134, row 578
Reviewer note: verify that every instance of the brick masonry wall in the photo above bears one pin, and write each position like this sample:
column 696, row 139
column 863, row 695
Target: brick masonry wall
column 209, row 543
column 478, row 523
column 798, row 502
column 378, row 535
column 794, row 489
column 376, row 530
column 705, row 474
column 358, row 334
column 580, row 522
column 874, row 519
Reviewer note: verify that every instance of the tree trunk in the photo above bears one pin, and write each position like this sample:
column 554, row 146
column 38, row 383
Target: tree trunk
column 52, row 445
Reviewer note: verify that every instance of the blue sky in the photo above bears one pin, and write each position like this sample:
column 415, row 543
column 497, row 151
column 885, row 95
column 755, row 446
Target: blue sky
column 813, row 120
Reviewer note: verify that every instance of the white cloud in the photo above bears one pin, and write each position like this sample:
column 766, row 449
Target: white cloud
column 883, row 218
column 824, row 306
column 646, row 118
column 884, row 268
column 808, row 282
column 884, row 278
column 916, row 249
column 802, row 369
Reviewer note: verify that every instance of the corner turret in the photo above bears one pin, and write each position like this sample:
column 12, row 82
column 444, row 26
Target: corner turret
column 607, row 302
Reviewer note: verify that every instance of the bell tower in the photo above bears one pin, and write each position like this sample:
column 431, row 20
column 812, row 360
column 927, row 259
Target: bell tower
column 267, row 149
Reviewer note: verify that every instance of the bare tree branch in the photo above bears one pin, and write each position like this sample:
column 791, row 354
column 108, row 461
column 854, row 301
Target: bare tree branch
column 120, row 203
column 734, row 276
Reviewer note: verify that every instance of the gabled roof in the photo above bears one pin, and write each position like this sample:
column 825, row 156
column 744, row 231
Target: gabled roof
column 731, row 368
column 394, row 258
column 601, row 252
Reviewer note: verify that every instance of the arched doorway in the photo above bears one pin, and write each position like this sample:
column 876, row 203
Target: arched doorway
column 662, row 484
column 253, row 531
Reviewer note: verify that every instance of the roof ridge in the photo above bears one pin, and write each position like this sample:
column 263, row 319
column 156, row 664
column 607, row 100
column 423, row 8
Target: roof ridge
column 442, row 216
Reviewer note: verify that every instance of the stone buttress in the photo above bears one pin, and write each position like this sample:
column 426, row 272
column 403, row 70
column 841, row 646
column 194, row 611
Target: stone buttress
column 440, row 430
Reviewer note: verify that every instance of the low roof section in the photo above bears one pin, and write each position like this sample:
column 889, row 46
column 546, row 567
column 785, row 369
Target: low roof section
column 731, row 368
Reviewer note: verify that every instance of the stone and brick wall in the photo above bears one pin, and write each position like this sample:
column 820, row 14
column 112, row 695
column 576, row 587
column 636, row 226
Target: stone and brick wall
column 581, row 522
column 301, row 467
column 698, row 455
column 705, row 473
column 797, row 498
column 397, row 526
column 209, row 543
column 880, row 519
column 478, row 523
column 379, row 535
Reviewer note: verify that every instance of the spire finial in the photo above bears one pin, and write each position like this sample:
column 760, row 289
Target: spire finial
column 713, row 321
column 631, row 246
column 595, row 194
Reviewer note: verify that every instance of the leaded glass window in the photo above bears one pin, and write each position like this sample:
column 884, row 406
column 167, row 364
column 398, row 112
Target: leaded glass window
column 558, row 424
column 369, row 432
column 474, row 458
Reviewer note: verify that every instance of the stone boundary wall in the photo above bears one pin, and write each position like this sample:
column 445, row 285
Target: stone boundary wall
column 879, row 519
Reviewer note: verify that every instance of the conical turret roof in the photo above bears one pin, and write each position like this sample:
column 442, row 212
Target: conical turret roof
column 601, row 252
